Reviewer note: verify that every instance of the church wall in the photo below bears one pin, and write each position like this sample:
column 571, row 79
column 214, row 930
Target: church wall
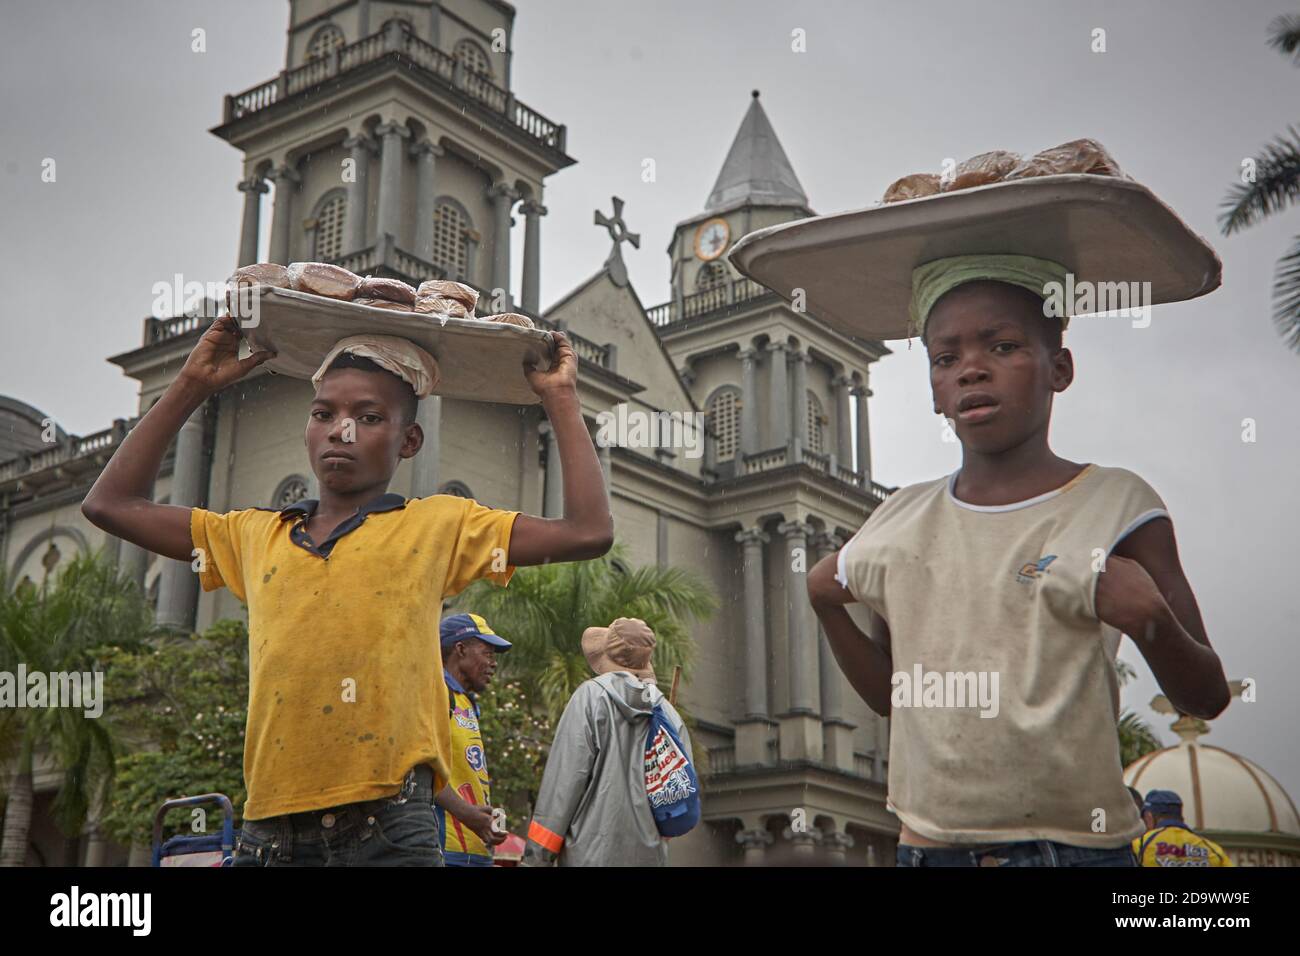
column 475, row 20
column 460, row 180
column 322, row 174
column 72, row 534
column 480, row 447
column 605, row 313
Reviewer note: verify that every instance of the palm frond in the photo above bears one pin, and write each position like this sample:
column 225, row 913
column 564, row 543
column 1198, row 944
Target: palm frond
column 1286, row 296
column 1284, row 35
column 1276, row 185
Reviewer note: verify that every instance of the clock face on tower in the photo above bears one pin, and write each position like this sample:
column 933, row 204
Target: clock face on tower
column 711, row 239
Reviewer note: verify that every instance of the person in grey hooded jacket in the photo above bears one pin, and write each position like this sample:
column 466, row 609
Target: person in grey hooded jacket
column 592, row 809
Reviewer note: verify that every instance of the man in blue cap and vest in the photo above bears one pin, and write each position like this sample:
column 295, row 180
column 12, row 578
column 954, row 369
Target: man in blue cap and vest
column 464, row 806
column 1171, row 842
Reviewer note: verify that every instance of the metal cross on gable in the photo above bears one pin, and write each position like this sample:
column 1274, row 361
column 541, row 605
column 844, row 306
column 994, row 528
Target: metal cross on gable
column 619, row 234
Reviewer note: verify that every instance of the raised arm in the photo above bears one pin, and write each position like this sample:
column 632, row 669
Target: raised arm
column 586, row 531
column 1144, row 592
column 866, row 663
column 120, row 501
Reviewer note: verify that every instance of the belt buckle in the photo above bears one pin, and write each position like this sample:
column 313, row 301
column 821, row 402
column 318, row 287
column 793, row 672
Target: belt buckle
column 407, row 791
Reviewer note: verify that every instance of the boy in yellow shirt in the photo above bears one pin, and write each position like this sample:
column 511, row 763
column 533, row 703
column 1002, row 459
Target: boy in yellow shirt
column 347, row 741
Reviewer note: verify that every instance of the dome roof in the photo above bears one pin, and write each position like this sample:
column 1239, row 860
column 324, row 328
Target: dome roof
column 1220, row 789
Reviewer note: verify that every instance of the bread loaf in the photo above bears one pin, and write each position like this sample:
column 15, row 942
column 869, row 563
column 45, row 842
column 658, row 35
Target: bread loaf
column 512, row 318
column 246, row 277
column 991, row 167
column 446, row 289
column 442, row 307
column 1076, row 156
column 912, row 187
column 394, row 290
column 320, row 278
column 382, row 304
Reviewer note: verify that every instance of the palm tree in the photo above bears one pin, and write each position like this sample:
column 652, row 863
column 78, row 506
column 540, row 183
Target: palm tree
column 1274, row 186
column 51, row 629
column 1135, row 736
column 547, row 607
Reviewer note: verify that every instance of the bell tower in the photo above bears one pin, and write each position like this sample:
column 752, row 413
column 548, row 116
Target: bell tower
column 392, row 143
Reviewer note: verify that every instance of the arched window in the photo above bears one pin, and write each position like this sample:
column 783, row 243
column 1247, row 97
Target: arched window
column 724, row 423
column 329, row 226
column 324, row 42
column 815, row 421
column 450, row 245
column 712, row 276
column 457, row 488
column 293, row 488
column 472, row 55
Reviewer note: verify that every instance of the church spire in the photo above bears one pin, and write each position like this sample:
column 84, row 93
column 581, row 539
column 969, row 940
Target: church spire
column 756, row 170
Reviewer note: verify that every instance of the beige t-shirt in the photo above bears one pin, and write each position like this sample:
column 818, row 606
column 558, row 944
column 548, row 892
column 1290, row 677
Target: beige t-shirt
column 991, row 612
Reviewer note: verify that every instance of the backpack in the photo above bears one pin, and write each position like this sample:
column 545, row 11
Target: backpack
column 670, row 780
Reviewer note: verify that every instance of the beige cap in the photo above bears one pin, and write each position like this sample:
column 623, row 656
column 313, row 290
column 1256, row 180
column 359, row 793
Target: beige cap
column 628, row 644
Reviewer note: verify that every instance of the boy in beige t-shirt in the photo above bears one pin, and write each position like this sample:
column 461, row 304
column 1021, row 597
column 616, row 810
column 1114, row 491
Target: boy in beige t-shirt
column 997, row 597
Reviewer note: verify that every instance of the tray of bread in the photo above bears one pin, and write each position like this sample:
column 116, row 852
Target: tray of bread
column 1070, row 204
column 302, row 310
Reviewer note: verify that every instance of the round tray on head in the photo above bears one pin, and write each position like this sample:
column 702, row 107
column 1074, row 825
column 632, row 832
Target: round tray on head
column 855, row 268
column 478, row 360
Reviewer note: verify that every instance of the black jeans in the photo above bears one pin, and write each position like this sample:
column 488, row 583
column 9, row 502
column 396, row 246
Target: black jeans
column 392, row 831
column 1032, row 853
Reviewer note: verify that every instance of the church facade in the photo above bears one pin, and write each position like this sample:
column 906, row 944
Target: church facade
column 393, row 143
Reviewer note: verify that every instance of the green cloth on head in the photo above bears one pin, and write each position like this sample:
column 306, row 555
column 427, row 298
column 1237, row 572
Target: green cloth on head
column 933, row 279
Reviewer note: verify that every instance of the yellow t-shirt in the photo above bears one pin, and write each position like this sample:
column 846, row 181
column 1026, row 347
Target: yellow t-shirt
column 1173, row 845
column 1004, row 694
column 345, row 671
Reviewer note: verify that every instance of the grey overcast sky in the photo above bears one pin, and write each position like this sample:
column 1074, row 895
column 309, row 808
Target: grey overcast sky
column 1184, row 91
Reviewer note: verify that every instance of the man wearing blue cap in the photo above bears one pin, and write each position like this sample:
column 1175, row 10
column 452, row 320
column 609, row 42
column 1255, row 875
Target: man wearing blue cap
column 469, row 649
column 1171, row 842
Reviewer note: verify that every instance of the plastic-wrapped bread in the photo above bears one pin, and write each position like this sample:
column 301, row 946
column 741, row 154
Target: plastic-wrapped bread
column 981, row 170
column 912, row 187
column 248, row 277
column 1076, row 156
column 394, row 290
column 442, row 307
column 382, row 304
column 512, row 318
column 446, row 289
column 320, row 278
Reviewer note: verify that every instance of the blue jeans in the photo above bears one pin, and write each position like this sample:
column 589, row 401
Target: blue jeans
column 392, row 831
column 1033, row 853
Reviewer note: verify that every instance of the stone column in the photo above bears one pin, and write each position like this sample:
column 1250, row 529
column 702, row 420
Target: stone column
column 553, row 500
column 754, row 843
column 178, row 589
column 354, row 221
column 286, row 181
column 389, row 217
column 749, row 405
column 752, row 730
column 252, row 189
column 800, row 361
column 426, row 194
column 778, row 405
column 862, row 393
column 843, row 420
column 533, row 212
column 424, row 466
column 837, row 847
column 801, row 731
column 837, row 733
column 503, row 199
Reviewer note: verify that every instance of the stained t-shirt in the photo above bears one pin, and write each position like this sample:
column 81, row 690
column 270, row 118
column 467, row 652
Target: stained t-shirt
column 976, row 594
column 345, row 672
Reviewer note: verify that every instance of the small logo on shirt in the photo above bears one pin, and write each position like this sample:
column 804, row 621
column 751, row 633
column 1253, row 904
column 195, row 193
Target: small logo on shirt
column 1028, row 572
column 474, row 757
column 464, row 717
